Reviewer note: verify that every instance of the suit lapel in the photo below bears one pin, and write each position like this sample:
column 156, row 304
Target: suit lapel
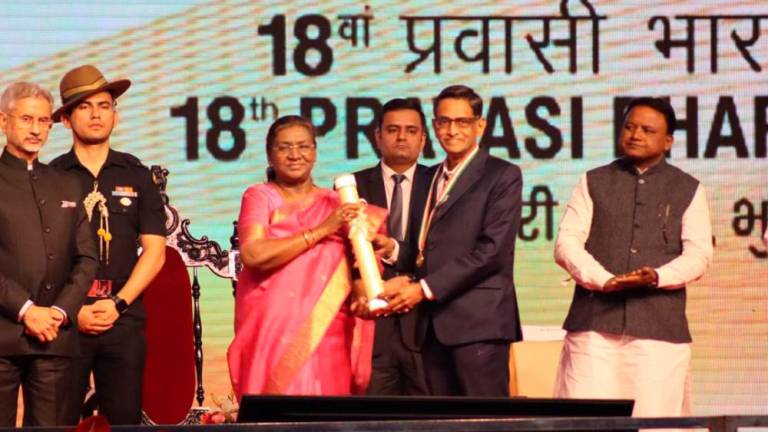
column 471, row 174
column 378, row 196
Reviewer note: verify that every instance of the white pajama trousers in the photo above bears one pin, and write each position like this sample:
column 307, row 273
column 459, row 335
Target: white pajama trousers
column 654, row 373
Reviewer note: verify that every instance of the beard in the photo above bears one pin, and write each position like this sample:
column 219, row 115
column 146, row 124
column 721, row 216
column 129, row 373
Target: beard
column 32, row 148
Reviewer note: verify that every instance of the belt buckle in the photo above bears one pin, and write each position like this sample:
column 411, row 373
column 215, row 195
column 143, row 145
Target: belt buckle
column 100, row 288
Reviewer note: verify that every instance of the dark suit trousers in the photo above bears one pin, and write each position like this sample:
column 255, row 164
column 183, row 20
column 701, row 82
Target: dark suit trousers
column 116, row 358
column 396, row 369
column 476, row 369
column 41, row 380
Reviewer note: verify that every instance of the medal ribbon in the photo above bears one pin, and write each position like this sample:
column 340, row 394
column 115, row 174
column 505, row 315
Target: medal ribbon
column 429, row 210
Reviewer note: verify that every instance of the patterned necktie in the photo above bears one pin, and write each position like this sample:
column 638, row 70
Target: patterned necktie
column 445, row 178
column 395, row 221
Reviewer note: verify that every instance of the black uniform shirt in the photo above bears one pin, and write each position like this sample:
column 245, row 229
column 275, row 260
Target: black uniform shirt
column 134, row 204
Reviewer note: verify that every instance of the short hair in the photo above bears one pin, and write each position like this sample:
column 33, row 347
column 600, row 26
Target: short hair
column 657, row 104
column 21, row 90
column 460, row 92
column 398, row 104
column 282, row 123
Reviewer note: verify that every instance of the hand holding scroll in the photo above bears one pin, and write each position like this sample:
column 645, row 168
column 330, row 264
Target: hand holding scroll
column 402, row 294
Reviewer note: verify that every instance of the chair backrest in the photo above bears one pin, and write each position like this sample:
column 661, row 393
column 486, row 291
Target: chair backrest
column 169, row 368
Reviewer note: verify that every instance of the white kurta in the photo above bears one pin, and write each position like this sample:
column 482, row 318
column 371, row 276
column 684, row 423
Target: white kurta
column 599, row 365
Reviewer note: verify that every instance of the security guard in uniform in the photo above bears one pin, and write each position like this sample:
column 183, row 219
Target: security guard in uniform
column 125, row 211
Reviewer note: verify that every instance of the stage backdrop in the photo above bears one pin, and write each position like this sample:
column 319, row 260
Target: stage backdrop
column 209, row 77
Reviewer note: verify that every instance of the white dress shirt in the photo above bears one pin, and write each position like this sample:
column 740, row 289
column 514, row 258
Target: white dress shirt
column 571, row 254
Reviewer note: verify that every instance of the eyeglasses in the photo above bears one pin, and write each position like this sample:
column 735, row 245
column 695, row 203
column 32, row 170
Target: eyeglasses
column 461, row 122
column 303, row 149
column 27, row 121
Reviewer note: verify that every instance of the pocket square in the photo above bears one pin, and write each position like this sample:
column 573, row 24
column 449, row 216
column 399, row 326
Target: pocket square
column 68, row 204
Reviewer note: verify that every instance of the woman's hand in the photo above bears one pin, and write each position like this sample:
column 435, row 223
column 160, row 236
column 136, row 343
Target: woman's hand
column 341, row 215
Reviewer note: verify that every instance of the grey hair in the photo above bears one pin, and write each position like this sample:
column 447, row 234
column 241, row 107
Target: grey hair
column 21, row 90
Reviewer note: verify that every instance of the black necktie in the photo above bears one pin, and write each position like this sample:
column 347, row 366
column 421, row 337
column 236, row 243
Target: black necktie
column 395, row 221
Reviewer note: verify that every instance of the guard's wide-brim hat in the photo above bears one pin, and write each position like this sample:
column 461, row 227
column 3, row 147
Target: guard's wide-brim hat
column 82, row 82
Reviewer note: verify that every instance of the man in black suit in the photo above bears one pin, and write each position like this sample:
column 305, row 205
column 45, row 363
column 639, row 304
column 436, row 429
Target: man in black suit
column 399, row 184
column 465, row 257
column 47, row 262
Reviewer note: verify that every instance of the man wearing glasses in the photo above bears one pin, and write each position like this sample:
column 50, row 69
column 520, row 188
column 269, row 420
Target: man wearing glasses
column 125, row 210
column 465, row 257
column 47, row 262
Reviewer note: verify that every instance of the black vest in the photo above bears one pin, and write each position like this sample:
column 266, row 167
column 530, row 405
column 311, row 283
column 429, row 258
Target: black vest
column 637, row 221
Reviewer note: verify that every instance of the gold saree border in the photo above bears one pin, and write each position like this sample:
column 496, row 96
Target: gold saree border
column 309, row 335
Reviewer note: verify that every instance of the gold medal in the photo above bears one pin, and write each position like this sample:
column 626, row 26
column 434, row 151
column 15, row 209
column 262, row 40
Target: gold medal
column 420, row 259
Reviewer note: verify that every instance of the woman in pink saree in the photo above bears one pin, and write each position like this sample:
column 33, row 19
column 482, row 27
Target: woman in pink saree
column 295, row 332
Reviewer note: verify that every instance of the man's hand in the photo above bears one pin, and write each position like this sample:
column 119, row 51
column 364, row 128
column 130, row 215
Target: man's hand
column 383, row 246
column 93, row 321
column 641, row 278
column 39, row 324
column 58, row 317
column 108, row 309
column 401, row 294
column 612, row 285
column 359, row 308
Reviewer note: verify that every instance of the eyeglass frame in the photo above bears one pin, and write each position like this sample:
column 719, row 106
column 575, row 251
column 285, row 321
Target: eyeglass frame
column 447, row 122
column 302, row 149
column 27, row 122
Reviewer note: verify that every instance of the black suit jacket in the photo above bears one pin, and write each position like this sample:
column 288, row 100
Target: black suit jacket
column 470, row 252
column 47, row 252
column 370, row 186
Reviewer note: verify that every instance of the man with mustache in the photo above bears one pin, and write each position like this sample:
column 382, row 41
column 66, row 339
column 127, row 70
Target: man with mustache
column 634, row 234
column 465, row 261
column 125, row 210
column 47, row 262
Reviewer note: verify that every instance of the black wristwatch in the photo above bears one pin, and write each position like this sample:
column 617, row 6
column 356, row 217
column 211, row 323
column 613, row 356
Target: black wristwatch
column 120, row 304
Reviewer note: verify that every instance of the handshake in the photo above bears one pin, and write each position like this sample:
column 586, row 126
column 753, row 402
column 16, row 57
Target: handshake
column 401, row 294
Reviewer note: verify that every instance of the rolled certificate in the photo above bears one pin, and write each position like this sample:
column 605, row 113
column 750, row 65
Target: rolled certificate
column 358, row 234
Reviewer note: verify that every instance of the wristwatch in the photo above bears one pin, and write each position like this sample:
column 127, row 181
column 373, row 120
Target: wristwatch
column 120, row 304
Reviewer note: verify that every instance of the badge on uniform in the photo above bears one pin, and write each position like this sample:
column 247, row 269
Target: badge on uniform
column 125, row 201
column 125, row 191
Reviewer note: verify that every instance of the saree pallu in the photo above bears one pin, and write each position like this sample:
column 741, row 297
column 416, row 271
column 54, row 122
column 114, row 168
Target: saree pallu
column 293, row 331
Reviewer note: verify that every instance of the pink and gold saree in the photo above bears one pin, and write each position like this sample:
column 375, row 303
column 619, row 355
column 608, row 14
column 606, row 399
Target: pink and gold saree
column 294, row 333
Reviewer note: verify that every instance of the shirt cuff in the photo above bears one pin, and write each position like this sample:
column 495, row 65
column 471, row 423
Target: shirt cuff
column 24, row 309
column 427, row 292
column 601, row 279
column 392, row 258
column 667, row 279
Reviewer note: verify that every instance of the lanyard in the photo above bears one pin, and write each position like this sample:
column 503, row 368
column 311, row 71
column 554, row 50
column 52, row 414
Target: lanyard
column 439, row 199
